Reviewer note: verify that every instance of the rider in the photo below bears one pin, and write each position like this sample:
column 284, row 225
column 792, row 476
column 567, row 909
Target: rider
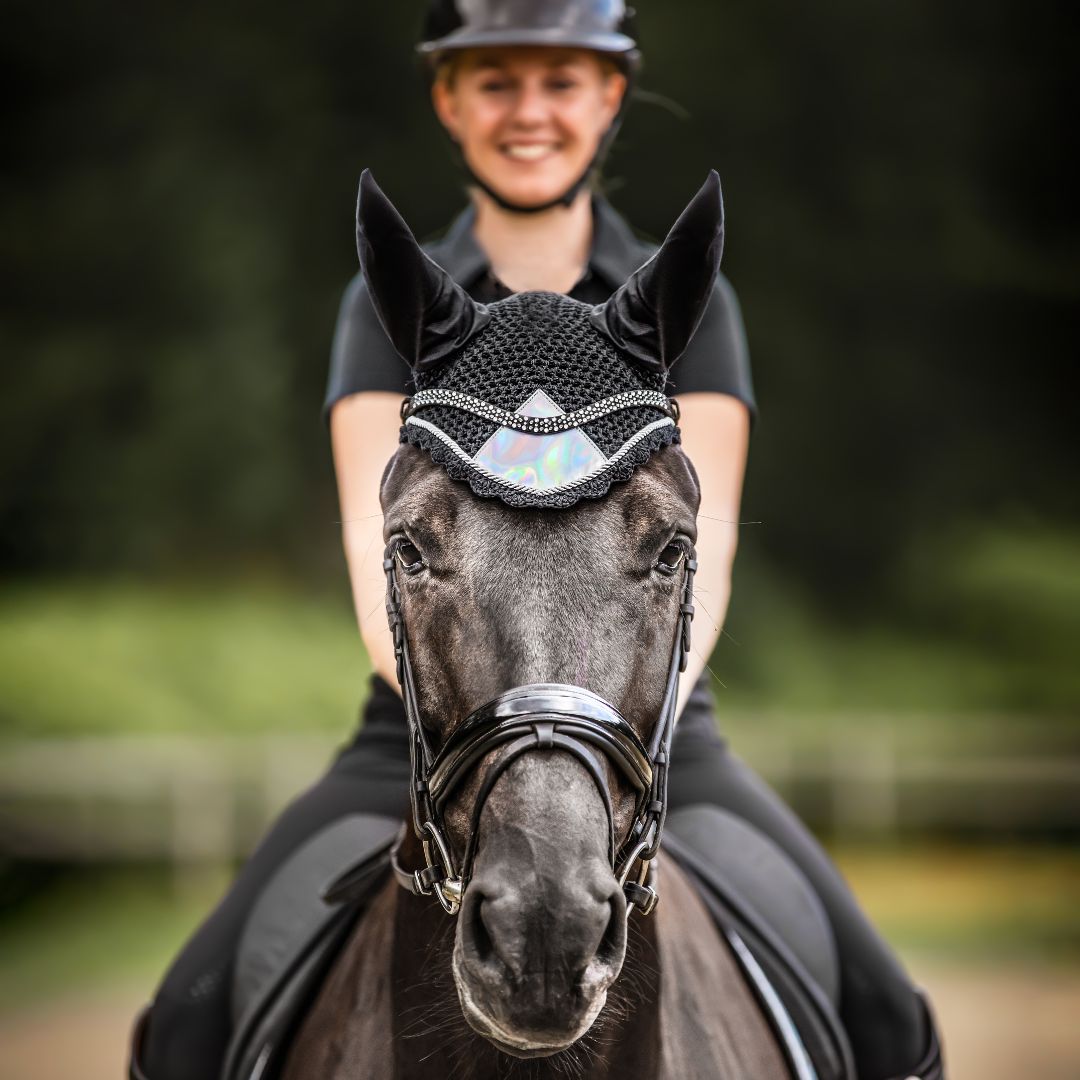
column 532, row 94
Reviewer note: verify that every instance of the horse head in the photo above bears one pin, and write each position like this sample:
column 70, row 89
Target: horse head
column 540, row 616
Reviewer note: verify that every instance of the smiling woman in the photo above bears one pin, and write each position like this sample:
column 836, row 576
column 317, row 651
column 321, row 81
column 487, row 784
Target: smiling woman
column 532, row 93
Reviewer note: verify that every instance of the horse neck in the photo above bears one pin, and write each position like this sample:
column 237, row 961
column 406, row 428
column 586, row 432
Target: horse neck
column 431, row 1037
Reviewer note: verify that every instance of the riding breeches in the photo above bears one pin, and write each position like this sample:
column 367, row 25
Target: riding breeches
column 189, row 1024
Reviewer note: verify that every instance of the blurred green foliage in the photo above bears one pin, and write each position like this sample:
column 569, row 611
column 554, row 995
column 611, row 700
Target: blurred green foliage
column 176, row 230
column 96, row 929
column 988, row 630
column 977, row 620
column 250, row 659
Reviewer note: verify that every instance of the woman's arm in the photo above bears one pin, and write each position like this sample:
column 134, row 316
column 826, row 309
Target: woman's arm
column 715, row 434
column 364, row 435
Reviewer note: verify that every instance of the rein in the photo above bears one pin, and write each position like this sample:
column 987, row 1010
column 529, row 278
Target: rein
column 537, row 716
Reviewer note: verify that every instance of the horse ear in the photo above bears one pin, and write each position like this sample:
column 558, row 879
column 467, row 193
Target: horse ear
column 425, row 313
column 654, row 314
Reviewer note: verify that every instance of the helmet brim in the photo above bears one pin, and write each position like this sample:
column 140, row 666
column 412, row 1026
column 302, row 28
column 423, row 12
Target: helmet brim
column 469, row 38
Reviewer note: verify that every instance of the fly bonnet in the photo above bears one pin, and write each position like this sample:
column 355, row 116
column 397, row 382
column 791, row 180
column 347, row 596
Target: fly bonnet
column 540, row 400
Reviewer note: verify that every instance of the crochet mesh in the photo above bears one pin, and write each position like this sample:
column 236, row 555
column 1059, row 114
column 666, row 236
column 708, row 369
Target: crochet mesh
column 540, row 341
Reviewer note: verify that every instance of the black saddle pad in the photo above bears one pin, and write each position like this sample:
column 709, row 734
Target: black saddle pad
column 764, row 884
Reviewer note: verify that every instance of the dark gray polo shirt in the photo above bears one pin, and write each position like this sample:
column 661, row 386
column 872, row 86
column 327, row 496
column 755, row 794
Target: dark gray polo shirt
column 716, row 359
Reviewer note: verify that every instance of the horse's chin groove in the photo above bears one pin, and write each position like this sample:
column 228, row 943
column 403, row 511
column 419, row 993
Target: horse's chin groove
column 509, row 1042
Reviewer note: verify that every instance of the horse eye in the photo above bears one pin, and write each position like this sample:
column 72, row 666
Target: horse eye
column 670, row 559
column 408, row 555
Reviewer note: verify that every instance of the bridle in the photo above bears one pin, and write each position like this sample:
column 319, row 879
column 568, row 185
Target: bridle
column 536, row 717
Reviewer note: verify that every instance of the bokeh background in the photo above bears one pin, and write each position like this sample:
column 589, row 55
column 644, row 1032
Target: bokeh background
column 178, row 654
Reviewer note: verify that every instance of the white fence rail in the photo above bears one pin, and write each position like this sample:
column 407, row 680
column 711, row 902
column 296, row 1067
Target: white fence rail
column 199, row 800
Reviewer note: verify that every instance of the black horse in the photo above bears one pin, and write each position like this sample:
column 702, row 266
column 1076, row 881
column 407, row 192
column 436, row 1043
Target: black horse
column 540, row 528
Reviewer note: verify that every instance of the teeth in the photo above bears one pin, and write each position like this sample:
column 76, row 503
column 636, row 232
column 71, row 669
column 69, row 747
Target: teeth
column 529, row 153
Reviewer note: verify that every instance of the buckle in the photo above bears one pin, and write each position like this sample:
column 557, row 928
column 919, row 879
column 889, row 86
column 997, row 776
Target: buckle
column 643, row 897
column 447, row 886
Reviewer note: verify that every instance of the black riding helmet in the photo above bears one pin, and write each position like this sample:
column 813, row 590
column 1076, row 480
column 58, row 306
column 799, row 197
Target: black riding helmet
column 604, row 26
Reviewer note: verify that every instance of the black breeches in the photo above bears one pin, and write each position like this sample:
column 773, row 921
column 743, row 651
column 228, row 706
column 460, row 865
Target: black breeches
column 190, row 1019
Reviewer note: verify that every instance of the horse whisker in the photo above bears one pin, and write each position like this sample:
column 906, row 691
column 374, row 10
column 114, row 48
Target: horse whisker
column 725, row 521
column 351, row 521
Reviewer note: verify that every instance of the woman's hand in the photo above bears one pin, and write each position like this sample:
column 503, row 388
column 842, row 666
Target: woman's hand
column 364, row 435
column 715, row 433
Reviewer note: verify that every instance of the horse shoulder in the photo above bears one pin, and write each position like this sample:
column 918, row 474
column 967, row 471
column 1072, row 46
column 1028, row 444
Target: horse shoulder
column 710, row 1022
column 348, row 1033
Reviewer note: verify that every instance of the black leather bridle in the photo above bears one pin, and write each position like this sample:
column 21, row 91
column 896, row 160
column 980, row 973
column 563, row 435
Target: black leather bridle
column 537, row 716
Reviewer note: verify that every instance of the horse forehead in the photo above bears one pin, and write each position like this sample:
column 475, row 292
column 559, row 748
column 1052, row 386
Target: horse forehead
column 663, row 490
column 414, row 486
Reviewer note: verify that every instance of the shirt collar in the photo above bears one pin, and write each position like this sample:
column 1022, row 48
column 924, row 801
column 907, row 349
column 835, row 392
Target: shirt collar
column 616, row 252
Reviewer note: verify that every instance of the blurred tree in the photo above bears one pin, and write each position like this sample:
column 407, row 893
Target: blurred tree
column 176, row 230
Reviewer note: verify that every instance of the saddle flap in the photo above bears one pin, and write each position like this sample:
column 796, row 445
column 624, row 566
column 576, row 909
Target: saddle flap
column 756, row 872
column 777, row 929
column 288, row 930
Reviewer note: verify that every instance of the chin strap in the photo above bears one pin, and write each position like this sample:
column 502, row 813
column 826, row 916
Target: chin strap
column 565, row 199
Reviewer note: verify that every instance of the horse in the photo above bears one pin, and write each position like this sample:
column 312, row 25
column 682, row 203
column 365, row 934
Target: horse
column 525, row 945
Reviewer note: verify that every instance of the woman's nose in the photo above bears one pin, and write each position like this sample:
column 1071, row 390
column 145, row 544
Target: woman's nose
column 530, row 106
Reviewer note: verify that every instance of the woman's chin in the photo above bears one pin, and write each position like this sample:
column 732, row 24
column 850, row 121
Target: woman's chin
column 528, row 191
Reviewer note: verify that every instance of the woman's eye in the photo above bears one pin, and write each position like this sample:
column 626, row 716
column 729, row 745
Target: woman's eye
column 410, row 558
column 493, row 87
column 670, row 559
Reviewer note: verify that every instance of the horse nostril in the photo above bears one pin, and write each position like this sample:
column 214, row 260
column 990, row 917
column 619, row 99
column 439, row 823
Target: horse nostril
column 613, row 943
column 476, row 931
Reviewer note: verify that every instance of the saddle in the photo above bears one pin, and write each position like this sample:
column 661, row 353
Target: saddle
column 759, row 901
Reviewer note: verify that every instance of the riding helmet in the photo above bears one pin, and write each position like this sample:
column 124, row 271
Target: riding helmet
column 605, row 26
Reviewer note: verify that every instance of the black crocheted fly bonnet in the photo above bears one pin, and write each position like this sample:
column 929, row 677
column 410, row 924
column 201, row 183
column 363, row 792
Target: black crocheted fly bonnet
column 539, row 400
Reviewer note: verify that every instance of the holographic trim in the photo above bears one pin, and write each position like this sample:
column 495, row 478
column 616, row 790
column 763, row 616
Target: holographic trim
column 539, row 425
column 567, row 486
column 536, row 461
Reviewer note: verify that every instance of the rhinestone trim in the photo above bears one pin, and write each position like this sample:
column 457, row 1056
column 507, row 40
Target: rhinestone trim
column 538, row 425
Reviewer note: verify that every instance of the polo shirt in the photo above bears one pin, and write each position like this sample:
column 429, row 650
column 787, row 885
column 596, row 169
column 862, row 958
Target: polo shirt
column 716, row 360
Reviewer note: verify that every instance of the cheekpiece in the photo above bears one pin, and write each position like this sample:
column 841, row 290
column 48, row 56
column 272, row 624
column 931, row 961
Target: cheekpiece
column 539, row 409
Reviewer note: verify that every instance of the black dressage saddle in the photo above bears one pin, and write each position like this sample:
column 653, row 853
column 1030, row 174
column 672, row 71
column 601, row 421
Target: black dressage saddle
column 759, row 900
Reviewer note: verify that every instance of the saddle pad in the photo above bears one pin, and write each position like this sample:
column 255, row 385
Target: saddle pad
column 742, row 878
column 291, row 931
column 760, row 878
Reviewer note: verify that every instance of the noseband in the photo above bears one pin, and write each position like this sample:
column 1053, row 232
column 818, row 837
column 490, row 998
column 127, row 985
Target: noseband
column 537, row 717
